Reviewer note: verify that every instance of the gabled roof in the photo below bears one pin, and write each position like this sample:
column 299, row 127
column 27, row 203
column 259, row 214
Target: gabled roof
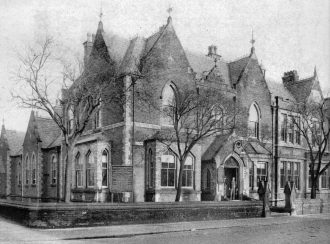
column 237, row 67
column 301, row 89
column 47, row 131
column 15, row 141
column 218, row 142
column 254, row 147
column 278, row 89
column 116, row 46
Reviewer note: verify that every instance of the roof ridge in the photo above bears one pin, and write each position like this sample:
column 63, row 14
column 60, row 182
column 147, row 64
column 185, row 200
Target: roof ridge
column 238, row 59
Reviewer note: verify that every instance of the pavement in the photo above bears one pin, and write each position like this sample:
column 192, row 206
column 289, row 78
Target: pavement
column 11, row 232
column 121, row 231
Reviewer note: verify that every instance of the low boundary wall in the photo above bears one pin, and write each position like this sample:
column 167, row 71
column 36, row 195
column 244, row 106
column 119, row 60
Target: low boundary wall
column 311, row 206
column 61, row 215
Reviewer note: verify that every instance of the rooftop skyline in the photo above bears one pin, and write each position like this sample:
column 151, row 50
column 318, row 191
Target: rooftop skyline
column 288, row 34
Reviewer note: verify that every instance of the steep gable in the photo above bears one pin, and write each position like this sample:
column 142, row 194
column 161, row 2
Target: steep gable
column 163, row 51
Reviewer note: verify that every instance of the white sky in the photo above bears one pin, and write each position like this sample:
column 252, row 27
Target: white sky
column 290, row 34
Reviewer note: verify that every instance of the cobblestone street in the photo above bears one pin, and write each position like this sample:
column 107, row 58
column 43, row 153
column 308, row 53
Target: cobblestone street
column 299, row 229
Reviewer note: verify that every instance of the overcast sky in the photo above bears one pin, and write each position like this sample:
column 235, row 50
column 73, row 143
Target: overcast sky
column 290, row 34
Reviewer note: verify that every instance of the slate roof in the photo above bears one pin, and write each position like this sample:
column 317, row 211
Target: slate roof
column 15, row 141
column 301, row 89
column 218, row 142
column 116, row 46
column 48, row 131
column 237, row 67
column 255, row 148
column 278, row 89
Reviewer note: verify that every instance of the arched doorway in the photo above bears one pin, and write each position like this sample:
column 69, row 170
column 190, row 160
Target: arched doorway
column 231, row 179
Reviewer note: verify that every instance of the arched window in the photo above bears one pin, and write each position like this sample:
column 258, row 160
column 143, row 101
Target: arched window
column 79, row 167
column 97, row 118
column 54, row 169
column 19, row 173
column 254, row 121
column 105, row 168
column 151, row 169
column 27, row 167
column 90, row 171
column 168, row 100
column 217, row 114
column 34, row 170
column 168, row 171
column 188, row 172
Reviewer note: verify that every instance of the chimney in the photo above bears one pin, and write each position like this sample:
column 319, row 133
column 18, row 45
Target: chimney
column 212, row 51
column 88, row 44
column 290, row 77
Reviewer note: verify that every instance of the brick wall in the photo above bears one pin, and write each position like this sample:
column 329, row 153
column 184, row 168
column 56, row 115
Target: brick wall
column 61, row 215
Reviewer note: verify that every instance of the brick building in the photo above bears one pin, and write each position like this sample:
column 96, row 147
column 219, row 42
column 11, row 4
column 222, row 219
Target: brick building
column 118, row 159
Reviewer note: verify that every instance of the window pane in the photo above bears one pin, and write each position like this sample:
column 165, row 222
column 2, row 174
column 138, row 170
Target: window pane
column 189, row 178
column 184, row 178
column 282, row 176
column 90, row 177
column 171, row 177
column 164, row 177
column 104, row 177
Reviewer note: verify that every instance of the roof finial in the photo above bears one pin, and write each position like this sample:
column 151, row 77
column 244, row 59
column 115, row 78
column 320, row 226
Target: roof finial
column 169, row 11
column 101, row 12
column 315, row 73
column 252, row 39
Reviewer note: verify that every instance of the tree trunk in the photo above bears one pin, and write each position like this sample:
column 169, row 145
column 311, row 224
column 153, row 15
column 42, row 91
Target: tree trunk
column 314, row 188
column 68, row 175
column 179, row 188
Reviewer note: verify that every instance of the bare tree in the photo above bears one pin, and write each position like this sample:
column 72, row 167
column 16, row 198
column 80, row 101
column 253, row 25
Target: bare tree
column 311, row 119
column 195, row 114
column 84, row 88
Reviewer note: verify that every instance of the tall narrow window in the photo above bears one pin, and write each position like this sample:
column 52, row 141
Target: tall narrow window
column 97, row 118
column 79, row 175
column 168, row 170
column 167, row 104
column 290, row 129
column 297, row 131
column 19, row 173
column 284, row 129
column 27, row 167
column 217, row 114
column 90, row 172
column 251, row 175
column 54, row 169
column 151, row 171
column 188, row 172
column 34, row 170
column 105, row 168
column 295, row 174
column 261, row 171
column 282, row 174
column 324, row 179
column 254, row 121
